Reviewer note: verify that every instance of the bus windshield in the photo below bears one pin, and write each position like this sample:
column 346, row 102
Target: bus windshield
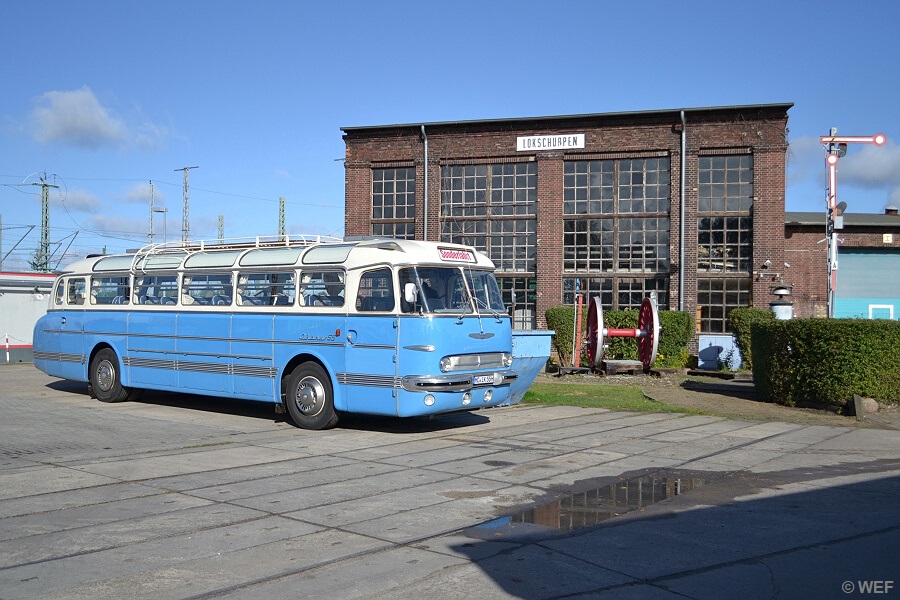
column 485, row 291
column 449, row 290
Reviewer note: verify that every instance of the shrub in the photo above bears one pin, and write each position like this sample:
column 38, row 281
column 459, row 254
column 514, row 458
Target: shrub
column 561, row 319
column 826, row 361
column 741, row 320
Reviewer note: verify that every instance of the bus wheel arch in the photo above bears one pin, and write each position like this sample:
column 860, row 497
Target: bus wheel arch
column 308, row 394
column 105, row 375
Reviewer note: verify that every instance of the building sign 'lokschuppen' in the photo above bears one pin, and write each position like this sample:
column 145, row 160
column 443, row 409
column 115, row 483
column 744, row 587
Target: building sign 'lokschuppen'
column 549, row 142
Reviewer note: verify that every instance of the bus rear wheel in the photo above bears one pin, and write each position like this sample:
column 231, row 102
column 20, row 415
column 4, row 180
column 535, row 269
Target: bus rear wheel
column 310, row 397
column 106, row 382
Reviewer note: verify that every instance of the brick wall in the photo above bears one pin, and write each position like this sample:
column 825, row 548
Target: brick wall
column 758, row 129
column 807, row 255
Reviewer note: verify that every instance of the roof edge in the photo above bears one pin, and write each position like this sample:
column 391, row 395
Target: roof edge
column 674, row 111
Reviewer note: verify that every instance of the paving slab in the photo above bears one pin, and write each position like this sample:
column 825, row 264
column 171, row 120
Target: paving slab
column 170, row 498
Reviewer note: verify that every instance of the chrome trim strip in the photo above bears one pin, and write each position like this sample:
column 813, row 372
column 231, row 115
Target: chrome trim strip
column 374, row 346
column 368, row 380
column 209, row 354
column 189, row 366
column 108, row 334
column 421, row 348
column 59, row 357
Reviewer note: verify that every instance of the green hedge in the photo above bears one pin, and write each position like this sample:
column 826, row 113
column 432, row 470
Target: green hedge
column 741, row 320
column 826, row 361
column 561, row 319
column 677, row 330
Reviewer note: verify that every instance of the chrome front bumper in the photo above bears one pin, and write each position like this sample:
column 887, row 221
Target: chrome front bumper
column 457, row 382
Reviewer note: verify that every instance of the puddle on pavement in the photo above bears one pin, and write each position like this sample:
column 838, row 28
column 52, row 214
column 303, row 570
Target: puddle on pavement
column 591, row 507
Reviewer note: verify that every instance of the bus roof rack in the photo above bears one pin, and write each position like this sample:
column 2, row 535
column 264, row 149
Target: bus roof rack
column 239, row 243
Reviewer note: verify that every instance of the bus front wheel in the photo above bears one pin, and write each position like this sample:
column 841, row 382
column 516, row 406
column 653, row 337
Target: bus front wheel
column 106, row 382
column 310, row 397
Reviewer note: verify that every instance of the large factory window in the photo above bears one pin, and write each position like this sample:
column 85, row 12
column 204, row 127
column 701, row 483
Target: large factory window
column 716, row 298
column 629, row 291
column 724, row 238
column 492, row 208
column 617, row 225
column 520, row 295
column 394, row 202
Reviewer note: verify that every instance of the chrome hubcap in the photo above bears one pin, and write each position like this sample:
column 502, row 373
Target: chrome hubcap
column 310, row 395
column 105, row 376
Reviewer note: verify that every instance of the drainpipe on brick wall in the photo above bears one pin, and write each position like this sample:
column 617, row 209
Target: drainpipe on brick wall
column 681, row 216
column 425, row 203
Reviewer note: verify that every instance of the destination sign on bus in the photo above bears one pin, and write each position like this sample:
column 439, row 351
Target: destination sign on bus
column 456, row 254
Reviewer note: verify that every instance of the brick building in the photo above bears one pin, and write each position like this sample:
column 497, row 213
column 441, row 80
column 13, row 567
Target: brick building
column 687, row 203
column 868, row 277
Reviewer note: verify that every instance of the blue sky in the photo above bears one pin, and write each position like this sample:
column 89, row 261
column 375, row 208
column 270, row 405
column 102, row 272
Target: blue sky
column 105, row 97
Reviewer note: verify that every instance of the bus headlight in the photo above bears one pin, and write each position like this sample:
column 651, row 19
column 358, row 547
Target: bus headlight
column 429, row 400
column 446, row 364
column 507, row 359
column 488, row 395
column 467, row 397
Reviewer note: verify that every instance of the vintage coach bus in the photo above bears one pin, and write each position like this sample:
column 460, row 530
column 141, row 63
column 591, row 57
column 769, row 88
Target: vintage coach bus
column 315, row 326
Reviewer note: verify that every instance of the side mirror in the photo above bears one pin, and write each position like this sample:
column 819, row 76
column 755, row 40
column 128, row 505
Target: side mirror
column 410, row 292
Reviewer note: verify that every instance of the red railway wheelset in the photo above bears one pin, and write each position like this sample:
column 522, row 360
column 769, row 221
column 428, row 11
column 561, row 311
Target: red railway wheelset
column 646, row 334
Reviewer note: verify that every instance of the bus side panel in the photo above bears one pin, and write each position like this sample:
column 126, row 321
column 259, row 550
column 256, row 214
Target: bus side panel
column 370, row 379
column 252, row 357
column 319, row 335
column 48, row 355
column 202, row 340
column 105, row 327
column 150, row 362
column 71, row 346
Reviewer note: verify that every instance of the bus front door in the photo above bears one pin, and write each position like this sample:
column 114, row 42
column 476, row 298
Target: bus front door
column 370, row 381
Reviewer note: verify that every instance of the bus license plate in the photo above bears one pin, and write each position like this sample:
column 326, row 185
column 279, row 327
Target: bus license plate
column 483, row 379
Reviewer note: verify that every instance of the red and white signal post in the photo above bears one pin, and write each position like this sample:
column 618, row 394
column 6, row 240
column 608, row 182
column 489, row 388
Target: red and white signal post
column 835, row 148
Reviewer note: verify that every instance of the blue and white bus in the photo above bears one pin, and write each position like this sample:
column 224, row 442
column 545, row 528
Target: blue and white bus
column 315, row 326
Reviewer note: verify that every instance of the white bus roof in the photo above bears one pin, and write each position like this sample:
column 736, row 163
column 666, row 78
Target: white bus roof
column 287, row 252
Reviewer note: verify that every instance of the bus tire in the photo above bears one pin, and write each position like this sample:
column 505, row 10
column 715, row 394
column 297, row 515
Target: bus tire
column 105, row 379
column 310, row 398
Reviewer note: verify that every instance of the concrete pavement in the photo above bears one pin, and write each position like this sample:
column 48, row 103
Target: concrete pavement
column 182, row 497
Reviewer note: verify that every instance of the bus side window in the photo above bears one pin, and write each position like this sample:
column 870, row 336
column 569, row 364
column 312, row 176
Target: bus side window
column 109, row 290
column 60, row 292
column 156, row 289
column 266, row 289
column 376, row 291
column 209, row 289
column 76, row 291
column 322, row 288
column 139, row 290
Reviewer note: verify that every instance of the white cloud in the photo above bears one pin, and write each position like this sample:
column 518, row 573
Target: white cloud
column 866, row 166
column 871, row 166
column 894, row 198
column 117, row 226
column 77, row 118
column 81, row 200
column 150, row 137
column 140, row 194
column 805, row 159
